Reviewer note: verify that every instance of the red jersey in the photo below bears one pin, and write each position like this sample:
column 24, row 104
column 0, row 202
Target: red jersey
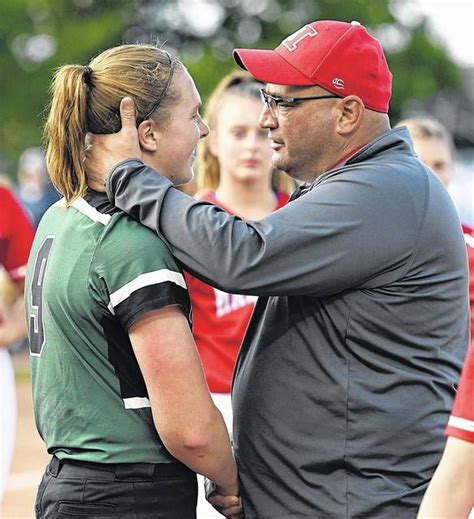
column 16, row 236
column 469, row 238
column 219, row 323
column 461, row 421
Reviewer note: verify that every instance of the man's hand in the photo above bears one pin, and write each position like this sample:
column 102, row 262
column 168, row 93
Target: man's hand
column 228, row 505
column 103, row 152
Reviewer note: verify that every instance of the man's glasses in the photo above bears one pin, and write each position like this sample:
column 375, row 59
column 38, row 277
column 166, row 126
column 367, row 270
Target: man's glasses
column 275, row 104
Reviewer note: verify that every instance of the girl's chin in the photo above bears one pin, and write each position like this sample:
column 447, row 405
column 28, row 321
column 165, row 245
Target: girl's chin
column 251, row 175
column 184, row 178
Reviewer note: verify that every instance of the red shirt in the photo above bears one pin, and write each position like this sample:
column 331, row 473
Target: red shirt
column 16, row 236
column 219, row 323
column 469, row 237
column 461, row 421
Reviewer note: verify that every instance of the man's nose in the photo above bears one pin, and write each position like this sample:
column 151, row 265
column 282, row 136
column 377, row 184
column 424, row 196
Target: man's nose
column 204, row 129
column 266, row 119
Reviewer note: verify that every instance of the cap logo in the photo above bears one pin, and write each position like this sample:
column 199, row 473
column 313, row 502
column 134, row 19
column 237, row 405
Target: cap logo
column 338, row 83
column 291, row 43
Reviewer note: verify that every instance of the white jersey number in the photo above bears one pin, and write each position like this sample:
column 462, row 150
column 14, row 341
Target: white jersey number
column 35, row 320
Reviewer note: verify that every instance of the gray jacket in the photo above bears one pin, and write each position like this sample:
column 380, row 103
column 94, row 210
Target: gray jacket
column 346, row 375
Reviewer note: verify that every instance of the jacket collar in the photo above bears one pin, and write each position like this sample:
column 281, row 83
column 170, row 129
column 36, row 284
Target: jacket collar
column 398, row 139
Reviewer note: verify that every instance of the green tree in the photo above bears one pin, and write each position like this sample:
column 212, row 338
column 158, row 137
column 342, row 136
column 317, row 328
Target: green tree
column 36, row 36
column 203, row 33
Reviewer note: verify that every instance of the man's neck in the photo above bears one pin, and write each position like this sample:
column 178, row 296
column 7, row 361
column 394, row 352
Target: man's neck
column 348, row 149
column 378, row 126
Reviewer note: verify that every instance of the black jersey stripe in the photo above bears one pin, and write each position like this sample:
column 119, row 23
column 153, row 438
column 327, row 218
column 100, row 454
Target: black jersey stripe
column 123, row 360
column 120, row 350
column 152, row 297
column 156, row 277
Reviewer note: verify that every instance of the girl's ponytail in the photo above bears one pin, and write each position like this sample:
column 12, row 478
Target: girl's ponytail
column 66, row 129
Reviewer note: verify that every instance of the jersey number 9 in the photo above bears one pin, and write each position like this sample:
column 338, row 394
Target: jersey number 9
column 35, row 320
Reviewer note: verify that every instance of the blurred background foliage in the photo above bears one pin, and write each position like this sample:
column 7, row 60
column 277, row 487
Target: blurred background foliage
column 36, row 36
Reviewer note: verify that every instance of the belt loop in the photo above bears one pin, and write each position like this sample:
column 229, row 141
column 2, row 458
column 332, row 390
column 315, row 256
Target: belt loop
column 135, row 470
column 55, row 466
column 151, row 470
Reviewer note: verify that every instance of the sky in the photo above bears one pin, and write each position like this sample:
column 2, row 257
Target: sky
column 453, row 21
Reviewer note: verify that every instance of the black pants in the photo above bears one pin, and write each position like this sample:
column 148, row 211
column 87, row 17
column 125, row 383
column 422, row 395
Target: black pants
column 93, row 490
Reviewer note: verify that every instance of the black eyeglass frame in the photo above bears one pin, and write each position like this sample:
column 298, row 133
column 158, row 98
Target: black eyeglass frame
column 163, row 92
column 268, row 98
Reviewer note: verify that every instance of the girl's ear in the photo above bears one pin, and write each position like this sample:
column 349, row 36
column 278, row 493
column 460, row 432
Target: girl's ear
column 147, row 136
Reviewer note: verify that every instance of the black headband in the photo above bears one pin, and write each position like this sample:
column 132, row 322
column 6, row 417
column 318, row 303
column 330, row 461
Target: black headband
column 87, row 76
column 165, row 89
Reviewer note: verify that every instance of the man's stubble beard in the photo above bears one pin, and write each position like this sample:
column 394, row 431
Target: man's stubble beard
column 299, row 170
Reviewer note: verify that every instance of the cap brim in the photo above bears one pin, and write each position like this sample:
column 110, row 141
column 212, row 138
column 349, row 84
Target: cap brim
column 268, row 66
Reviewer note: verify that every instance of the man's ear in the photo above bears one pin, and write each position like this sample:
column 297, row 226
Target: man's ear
column 351, row 111
column 147, row 136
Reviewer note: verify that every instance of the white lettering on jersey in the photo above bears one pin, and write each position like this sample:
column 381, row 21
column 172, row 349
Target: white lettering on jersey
column 469, row 240
column 291, row 43
column 226, row 303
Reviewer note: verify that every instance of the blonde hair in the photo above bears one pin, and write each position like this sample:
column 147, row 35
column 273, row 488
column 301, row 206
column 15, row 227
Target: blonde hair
column 87, row 99
column 425, row 127
column 241, row 84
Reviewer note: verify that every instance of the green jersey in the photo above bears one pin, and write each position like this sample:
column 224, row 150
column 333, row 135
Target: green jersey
column 92, row 273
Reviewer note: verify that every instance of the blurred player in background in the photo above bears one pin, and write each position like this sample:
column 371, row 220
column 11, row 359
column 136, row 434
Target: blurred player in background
column 434, row 146
column 450, row 494
column 35, row 190
column 451, row 491
column 234, row 172
column 16, row 236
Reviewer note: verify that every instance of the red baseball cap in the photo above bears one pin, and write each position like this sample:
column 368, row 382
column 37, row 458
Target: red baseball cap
column 340, row 57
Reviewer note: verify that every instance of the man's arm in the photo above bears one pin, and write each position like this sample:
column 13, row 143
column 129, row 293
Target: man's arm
column 450, row 494
column 311, row 246
column 189, row 424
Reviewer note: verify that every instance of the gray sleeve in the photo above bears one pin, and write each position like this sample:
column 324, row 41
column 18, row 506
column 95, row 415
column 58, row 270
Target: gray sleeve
column 344, row 233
